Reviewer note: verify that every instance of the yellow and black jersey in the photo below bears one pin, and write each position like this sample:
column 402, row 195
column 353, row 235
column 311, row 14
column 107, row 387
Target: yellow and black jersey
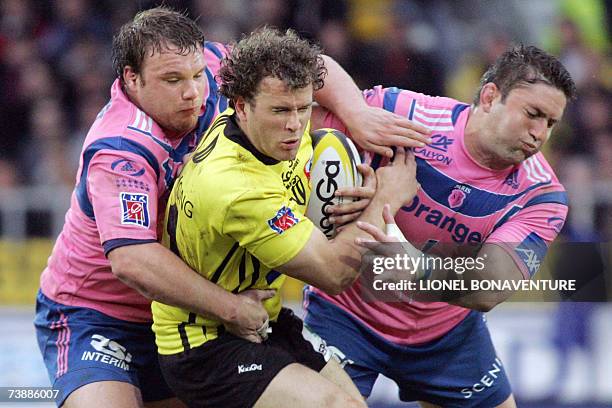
column 234, row 215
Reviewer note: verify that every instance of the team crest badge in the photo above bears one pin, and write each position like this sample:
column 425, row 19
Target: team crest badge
column 135, row 209
column 456, row 198
column 283, row 220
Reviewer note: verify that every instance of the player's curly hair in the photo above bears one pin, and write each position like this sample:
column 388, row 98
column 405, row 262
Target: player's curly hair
column 152, row 31
column 522, row 65
column 270, row 52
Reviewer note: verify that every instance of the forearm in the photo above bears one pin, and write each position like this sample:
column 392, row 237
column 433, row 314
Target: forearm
column 340, row 93
column 490, row 263
column 158, row 274
column 346, row 259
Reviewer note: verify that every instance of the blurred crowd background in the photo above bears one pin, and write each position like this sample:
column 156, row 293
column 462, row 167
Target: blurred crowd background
column 55, row 75
column 55, row 72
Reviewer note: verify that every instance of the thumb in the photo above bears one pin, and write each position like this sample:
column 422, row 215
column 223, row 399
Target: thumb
column 263, row 294
column 387, row 216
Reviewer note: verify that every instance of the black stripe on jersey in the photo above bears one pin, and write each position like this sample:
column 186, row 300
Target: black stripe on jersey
column 183, row 332
column 171, row 229
column 202, row 154
column 241, row 272
column 220, row 121
column 221, row 268
column 255, row 275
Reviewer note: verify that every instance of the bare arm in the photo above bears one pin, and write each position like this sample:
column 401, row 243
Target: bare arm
column 498, row 265
column 373, row 128
column 160, row 275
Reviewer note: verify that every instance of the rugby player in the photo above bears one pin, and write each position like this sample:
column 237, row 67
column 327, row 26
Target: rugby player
column 232, row 219
column 93, row 310
column 483, row 182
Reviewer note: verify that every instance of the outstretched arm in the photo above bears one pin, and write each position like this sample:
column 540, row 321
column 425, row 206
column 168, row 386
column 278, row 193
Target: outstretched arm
column 374, row 129
column 498, row 265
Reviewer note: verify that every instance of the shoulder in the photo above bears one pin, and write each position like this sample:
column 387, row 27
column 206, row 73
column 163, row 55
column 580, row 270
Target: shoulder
column 215, row 49
column 538, row 182
column 214, row 53
column 122, row 127
column 436, row 112
column 536, row 170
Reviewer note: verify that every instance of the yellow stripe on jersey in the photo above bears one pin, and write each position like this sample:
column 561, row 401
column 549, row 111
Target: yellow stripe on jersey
column 233, row 216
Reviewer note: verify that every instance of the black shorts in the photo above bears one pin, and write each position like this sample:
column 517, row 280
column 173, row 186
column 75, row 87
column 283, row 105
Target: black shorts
column 232, row 372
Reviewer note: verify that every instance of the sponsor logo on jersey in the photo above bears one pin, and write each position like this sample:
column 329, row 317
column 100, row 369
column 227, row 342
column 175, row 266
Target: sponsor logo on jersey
column 439, row 144
column 108, row 352
column 135, row 209
column 512, row 180
column 128, row 167
column 458, row 195
column 459, row 232
column 293, row 182
column 246, row 368
column 556, row 223
column 283, row 220
column 532, row 251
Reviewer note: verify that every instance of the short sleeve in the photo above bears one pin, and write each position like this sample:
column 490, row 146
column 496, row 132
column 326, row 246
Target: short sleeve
column 268, row 225
column 527, row 235
column 122, row 189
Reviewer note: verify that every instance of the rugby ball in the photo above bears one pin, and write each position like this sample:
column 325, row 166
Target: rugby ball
column 334, row 165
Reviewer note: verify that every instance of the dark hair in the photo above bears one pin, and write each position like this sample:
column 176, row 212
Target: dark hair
column 270, row 52
column 522, row 65
column 153, row 31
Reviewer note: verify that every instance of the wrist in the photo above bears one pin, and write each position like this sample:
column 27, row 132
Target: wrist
column 350, row 113
column 231, row 312
column 382, row 197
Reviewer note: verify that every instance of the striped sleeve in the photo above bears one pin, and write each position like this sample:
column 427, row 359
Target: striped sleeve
column 121, row 193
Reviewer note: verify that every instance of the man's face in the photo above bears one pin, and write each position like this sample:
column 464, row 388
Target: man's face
column 517, row 128
column 275, row 118
column 169, row 88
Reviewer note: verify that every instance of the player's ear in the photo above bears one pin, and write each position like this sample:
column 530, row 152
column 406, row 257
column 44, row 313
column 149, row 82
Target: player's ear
column 130, row 77
column 240, row 105
column 488, row 93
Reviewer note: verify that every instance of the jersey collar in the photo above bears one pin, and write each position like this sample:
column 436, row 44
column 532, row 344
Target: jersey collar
column 233, row 132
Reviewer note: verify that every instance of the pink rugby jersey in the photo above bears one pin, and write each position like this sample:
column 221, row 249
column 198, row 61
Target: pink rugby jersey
column 126, row 169
column 521, row 208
